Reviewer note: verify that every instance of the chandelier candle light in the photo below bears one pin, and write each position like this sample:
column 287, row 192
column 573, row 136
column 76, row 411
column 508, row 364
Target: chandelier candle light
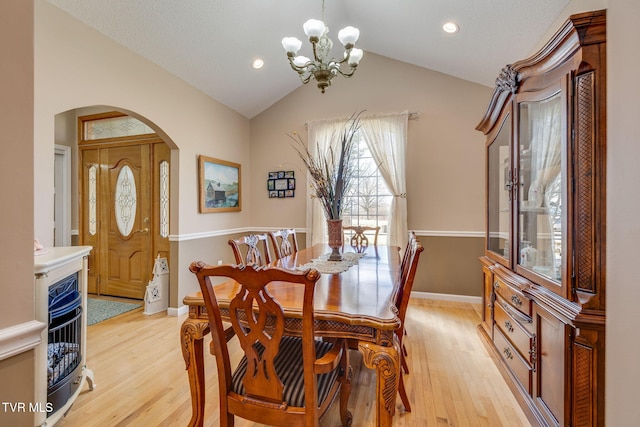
column 321, row 67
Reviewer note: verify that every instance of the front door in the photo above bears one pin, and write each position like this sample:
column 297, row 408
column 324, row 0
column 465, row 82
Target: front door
column 128, row 215
column 121, row 205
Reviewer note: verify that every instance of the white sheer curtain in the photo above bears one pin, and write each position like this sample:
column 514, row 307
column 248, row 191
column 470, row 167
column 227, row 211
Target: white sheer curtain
column 546, row 156
column 320, row 134
column 544, row 119
column 386, row 137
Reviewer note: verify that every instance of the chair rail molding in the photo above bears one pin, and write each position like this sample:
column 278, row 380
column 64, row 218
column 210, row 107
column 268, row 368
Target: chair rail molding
column 19, row 338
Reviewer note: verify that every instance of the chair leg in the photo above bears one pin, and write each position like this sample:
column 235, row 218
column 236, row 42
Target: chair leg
column 226, row 419
column 345, row 388
column 345, row 391
column 403, row 352
column 404, row 348
column 403, row 395
column 405, row 366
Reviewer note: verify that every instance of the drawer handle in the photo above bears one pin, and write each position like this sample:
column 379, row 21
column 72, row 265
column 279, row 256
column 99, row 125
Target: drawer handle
column 496, row 285
column 507, row 353
column 507, row 324
column 516, row 300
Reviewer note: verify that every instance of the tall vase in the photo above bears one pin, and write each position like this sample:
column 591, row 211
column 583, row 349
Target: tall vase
column 334, row 227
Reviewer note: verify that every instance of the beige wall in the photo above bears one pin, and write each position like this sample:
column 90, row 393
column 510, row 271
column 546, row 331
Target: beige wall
column 623, row 205
column 16, row 216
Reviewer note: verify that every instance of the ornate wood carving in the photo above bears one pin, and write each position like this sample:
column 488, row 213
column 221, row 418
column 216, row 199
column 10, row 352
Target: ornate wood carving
column 191, row 331
column 387, row 364
column 507, row 79
column 584, row 182
column 583, row 395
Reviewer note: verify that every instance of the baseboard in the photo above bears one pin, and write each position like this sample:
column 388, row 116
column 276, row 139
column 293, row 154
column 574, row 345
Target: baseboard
column 175, row 312
column 447, row 297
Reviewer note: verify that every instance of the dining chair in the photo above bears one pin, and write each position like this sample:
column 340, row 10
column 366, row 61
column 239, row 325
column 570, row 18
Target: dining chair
column 284, row 242
column 404, row 269
column 358, row 238
column 248, row 249
column 406, row 278
column 281, row 380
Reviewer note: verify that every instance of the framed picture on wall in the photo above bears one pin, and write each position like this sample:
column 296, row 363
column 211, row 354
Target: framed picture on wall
column 219, row 185
column 281, row 184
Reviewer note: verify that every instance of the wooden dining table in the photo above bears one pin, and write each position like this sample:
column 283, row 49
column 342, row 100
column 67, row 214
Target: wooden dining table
column 357, row 304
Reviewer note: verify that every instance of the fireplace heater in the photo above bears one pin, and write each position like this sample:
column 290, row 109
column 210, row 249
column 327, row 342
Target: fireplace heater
column 64, row 347
column 60, row 358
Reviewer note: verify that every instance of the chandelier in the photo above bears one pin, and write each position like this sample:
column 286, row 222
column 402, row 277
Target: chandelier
column 321, row 68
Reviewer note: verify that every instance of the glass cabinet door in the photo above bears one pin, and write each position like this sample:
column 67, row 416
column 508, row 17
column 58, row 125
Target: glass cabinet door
column 542, row 198
column 499, row 183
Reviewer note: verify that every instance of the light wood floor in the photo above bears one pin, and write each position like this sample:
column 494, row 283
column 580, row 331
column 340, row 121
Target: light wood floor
column 141, row 381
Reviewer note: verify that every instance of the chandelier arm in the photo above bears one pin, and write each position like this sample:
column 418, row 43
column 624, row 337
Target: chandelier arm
column 297, row 68
column 347, row 74
column 344, row 59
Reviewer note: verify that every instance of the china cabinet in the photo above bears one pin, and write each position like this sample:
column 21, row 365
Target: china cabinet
column 544, row 263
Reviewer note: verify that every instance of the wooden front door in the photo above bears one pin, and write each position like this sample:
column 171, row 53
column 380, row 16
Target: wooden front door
column 120, row 210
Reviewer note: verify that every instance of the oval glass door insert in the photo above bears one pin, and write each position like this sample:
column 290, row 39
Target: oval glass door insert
column 125, row 201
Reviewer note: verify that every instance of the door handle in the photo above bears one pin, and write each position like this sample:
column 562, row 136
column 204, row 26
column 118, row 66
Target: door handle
column 144, row 230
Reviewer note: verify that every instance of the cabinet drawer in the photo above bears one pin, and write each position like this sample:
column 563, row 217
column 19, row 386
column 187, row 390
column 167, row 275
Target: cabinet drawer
column 518, row 366
column 515, row 327
column 512, row 296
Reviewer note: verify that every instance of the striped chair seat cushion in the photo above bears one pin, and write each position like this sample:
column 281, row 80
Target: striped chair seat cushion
column 290, row 370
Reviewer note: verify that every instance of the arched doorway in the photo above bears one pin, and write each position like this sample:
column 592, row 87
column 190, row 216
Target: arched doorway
column 122, row 188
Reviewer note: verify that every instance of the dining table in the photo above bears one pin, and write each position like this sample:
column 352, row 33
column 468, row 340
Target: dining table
column 357, row 304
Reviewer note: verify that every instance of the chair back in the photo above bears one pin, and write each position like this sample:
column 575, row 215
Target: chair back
column 404, row 265
column 407, row 277
column 255, row 389
column 284, row 242
column 359, row 240
column 251, row 249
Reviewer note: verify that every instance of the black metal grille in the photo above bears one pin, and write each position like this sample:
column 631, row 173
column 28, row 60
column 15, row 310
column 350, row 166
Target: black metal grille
column 64, row 350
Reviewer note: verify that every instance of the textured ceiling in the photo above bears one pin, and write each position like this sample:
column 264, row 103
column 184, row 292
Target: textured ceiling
column 212, row 43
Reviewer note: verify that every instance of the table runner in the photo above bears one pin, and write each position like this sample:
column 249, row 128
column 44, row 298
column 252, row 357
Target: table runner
column 331, row 267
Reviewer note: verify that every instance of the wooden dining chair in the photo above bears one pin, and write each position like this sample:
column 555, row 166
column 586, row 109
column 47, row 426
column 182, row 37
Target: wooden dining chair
column 281, row 380
column 284, row 242
column 358, row 238
column 406, row 278
column 251, row 249
column 404, row 270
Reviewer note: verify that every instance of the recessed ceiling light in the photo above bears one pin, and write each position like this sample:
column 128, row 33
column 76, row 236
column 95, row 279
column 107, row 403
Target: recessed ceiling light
column 450, row 27
column 258, row 63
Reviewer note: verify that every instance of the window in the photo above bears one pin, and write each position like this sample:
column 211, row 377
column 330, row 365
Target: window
column 369, row 201
column 378, row 197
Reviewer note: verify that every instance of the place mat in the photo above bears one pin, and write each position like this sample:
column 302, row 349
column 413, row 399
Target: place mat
column 323, row 265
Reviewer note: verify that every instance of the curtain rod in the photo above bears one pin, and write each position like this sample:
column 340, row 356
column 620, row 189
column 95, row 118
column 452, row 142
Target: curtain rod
column 414, row 115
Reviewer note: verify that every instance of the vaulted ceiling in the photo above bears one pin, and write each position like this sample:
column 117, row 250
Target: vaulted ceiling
column 211, row 44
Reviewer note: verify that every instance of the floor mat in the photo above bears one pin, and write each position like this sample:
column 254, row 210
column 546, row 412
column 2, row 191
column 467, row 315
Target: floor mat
column 100, row 309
